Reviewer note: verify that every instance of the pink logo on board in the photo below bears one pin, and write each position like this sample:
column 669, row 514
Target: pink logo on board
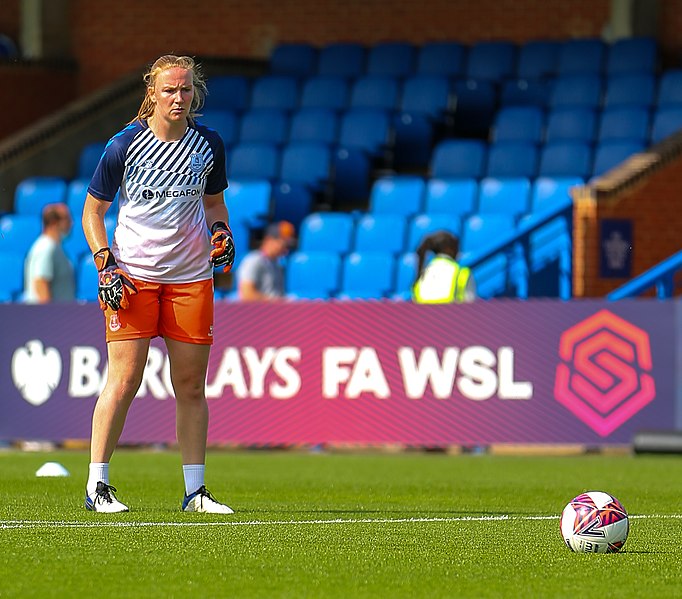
column 604, row 377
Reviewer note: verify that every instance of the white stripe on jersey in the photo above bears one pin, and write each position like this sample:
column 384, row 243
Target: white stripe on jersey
column 161, row 234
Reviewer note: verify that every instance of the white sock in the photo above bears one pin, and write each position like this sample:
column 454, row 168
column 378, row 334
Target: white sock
column 98, row 471
column 194, row 477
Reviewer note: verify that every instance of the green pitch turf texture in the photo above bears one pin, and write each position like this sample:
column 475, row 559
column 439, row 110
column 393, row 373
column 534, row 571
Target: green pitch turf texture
column 337, row 525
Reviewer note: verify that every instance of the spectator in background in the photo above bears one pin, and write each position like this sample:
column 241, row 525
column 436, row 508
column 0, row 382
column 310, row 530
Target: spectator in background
column 444, row 280
column 260, row 275
column 48, row 273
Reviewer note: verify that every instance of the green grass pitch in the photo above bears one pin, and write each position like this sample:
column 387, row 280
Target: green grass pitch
column 337, row 525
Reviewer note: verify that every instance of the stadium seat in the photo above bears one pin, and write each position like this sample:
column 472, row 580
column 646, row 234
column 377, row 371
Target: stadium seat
column 19, row 231
column 669, row 89
column 630, row 89
column 76, row 192
column 313, row 275
column 86, row 280
column 525, row 92
column 480, row 231
column 611, row 153
column 297, row 59
column 457, row 158
column 380, row 233
column 455, row 197
column 624, row 123
column 328, row 92
column 519, row 123
column 666, row 121
column 342, row 59
column 512, row 159
column 249, row 201
column 254, row 161
column 228, row 92
column 504, row 196
column 538, row 59
column 491, row 60
column 582, row 56
column 367, row 275
column 576, row 90
column 12, row 280
column 292, row 201
column 318, row 125
column 475, row 106
column 571, row 123
column 402, row 195
column 264, row 125
column 88, row 159
column 275, row 91
column 374, row 91
column 34, row 193
column 632, row 55
column 566, row 159
column 327, row 232
column 225, row 122
column 391, row 59
column 406, row 273
column 441, row 59
column 548, row 192
column 365, row 128
column 424, row 224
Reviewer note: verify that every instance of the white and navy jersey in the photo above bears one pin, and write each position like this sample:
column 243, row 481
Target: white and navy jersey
column 161, row 234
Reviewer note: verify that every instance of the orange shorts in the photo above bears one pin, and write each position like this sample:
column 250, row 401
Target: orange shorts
column 180, row 311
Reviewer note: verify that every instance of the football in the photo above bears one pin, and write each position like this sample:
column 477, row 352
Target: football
column 595, row 522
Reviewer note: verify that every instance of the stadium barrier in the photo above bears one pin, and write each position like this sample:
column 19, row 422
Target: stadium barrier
column 588, row 372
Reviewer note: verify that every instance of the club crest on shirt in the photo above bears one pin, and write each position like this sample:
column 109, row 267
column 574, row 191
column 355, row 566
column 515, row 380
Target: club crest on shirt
column 196, row 162
column 114, row 322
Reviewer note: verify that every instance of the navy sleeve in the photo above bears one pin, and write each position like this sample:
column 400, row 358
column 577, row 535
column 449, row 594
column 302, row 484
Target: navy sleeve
column 217, row 178
column 108, row 175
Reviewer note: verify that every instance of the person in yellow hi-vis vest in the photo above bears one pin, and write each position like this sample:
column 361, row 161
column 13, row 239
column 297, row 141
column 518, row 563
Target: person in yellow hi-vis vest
column 444, row 280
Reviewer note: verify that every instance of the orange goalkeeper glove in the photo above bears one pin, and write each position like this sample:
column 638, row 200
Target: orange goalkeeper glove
column 114, row 285
column 222, row 253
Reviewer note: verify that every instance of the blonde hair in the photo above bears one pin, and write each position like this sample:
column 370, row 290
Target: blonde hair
column 163, row 63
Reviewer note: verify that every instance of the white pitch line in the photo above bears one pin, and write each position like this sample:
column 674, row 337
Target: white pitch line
column 13, row 524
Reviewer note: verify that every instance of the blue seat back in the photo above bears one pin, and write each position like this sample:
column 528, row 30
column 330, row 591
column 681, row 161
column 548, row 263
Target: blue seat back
column 566, row 159
column 519, row 123
column 480, row 231
column 491, row 60
column 512, row 159
column 228, row 92
column 374, row 91
column 630, row 89
column 456, row 197
column 441, row 59
column 538, row 59
column 577, row 90
column 365, row 128
column 275, row 91
column 249, row 201
column 297, row 59
column 325, row 92
column 582, row 56
column 571, row 123
column 313, row 274
column 609, row 154
column 306, row 162
column 380, row 233
column 253, row 161
column 425, row 224
column 624, row 123
column 367, row 275
column 342, row 59
column 391, row 59
column 504, row 196
column 327, row 231
column 34, row 193
column 426, row 94
column 632, row 55
column 318, row 125
column 225, row 122
column 402, row 194
column 12, row 280
column 89, row 158
column 455, row 158
column 264, row 125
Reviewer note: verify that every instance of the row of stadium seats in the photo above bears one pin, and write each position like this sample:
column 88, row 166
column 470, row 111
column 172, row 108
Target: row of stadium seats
column 492, row 60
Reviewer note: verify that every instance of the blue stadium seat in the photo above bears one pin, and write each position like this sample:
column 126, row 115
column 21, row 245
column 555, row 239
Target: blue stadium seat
column 76, row 192
column 476, row 103
column 402, row 195
column 481, row 231
column 582, row 56
column 576, row 90
column 297, row 59
column 292, row 201
column 491, row 60
column 632, row 55
column 342, row 59
column 319, row 125
column 406, row 273
column 275, row 91
column 367, row 275
column 456, row 197
column 313, row 275
column 519, row 123
column 88, row 159
column 512, row 159
column 86, row 280
column 666, row 121
column 441, row 59
column 374, row 91
column 504, row 196
column 249, row 202
column 391, row 59
column 76, row 245
column 453, row 158
column 228, row 92
column 425, row 224
column 325, row 92
column 571, row 123
column 538, row 59
column 327, row 232
column 525, row 92
column 253, row 161
column 12, row 280
column 225, row 122
column 365, row 128
column 611, row 153
column 548, row 192
column 19, row 231
column 630, row 89
column 669, row 89
column 34, row 193
column 264, row 125
column 624, row 123
column 380, row 233
column 566, row 159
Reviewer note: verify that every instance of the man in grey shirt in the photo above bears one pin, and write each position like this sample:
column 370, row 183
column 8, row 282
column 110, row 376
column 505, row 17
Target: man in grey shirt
column 48, row 272
column 260, row 275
